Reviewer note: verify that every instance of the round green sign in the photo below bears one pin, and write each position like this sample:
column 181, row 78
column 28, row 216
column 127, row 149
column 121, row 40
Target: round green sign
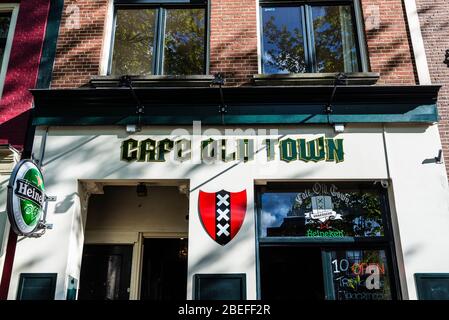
column 26, row 197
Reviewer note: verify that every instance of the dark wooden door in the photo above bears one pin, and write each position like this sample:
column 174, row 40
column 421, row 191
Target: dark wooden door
column 105, row 272
column 164, row 271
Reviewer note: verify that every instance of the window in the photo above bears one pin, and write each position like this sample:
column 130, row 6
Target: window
column 5, row 21
column 8, row 18
column 323, row 210
column 325, row 240
column 168, row 39
column 311, row 37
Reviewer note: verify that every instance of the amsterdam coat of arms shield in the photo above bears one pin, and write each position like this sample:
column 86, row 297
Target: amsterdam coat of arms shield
column 222, row 214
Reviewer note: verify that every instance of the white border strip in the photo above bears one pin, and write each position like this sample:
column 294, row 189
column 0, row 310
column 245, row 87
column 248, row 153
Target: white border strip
column 107, row 39
column 417, row 42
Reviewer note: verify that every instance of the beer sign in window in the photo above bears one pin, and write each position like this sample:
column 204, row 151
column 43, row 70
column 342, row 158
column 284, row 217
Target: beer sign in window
column 360, row 275
column 328, row 210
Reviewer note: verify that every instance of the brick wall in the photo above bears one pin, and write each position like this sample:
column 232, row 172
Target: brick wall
column 78, row 52
column 388, row 41
column 434, row 19
column 23, row 67
column 233, row 42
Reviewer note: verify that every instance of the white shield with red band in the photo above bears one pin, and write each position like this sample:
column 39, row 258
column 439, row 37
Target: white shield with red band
column 222, row 214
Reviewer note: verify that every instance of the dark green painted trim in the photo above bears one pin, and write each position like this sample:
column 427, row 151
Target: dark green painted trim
column 422, row 114
column 246, row 105
column 49, row 46
column 327, row 275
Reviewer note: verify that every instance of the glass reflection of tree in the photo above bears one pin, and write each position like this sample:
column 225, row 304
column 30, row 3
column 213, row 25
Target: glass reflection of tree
column 286, row 53
column 133, row 42
column 334, row 39
column 183, row 47
column 328, row 40
column 362, row 215
column 184, row 42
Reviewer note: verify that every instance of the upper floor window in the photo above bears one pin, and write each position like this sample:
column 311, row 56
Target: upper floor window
column 311, row 37
column 8, row 18
column 159, row 39
column 5, row 21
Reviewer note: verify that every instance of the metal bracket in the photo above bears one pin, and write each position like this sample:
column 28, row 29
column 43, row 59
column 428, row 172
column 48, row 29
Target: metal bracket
column 438, row 159
column 43, row 225
column 340, row 79
column 50, row 198
column 126, row 81
column 222, row 108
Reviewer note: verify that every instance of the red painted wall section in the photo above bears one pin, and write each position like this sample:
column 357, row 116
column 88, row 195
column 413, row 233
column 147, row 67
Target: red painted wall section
column 22, row 70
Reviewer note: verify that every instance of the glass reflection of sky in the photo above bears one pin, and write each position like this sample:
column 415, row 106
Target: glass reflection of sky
column 288, row 18
column 275, row 207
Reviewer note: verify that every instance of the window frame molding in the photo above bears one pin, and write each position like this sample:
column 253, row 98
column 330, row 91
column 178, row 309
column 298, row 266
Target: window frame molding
column 359, row 27
column 14, row 9
column 161, row 7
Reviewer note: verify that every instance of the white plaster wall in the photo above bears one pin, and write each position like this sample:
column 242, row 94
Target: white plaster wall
column 74, row 154
column 4, row 225
column 119, row 209
column 421, row 199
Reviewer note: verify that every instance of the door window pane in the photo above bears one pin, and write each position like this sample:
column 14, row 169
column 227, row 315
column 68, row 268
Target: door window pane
column 283, row 40
column 360, row 275
column 134, row 42
column 335, row 44
column 184, row 42
column 322, row 210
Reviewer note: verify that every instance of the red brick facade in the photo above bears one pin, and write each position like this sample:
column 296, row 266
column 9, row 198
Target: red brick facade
column 389, row 46
column 23, row 67
column 233, row 42
column 80, row 42
column 433, row 16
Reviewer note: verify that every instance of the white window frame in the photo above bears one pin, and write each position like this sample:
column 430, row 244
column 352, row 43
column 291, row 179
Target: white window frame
column 359, row 26
column 14, row 9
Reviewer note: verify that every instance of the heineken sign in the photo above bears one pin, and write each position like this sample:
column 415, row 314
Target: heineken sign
column 225, row 150
column 26, row 198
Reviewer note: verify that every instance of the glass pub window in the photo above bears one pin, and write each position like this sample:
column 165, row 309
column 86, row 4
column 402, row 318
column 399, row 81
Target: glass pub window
column 322, row 210
column 309, row 38
column 338, row 226
column 158, row 39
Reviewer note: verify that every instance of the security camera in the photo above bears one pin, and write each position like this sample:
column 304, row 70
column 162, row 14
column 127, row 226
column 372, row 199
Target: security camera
column 384, row 184
column 132, row 128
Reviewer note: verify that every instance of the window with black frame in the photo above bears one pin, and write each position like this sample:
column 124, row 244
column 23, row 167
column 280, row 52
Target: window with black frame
column 309, row 36
column 340, row 228
column 160, row 38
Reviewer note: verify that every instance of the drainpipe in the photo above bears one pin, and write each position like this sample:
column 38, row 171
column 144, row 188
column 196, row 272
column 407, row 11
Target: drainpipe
column 419, row 51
